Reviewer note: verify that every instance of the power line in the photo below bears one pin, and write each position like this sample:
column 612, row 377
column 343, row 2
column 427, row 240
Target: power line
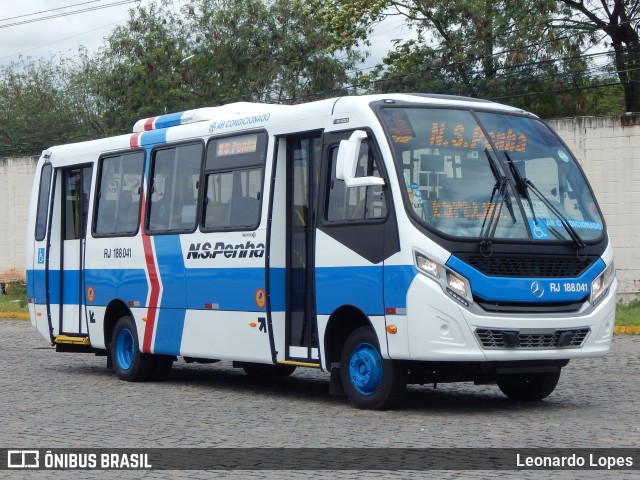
column 45, row 11
column 60, row 40
column 66, row 14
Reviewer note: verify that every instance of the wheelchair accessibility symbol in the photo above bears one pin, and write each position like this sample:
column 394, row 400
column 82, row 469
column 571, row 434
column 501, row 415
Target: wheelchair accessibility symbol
column 539, row 231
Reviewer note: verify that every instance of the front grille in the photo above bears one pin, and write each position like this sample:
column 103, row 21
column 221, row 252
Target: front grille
column 530, row 266
column 491, row 338
column 528, row 307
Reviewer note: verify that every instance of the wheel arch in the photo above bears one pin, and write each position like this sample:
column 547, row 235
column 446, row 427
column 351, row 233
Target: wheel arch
column 341, row 323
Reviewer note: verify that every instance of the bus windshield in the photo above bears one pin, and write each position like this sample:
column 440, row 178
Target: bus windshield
column 492, row 175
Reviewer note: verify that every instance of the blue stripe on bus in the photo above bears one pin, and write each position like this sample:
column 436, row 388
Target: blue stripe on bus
column 222, row 288
column 234, row 288
column 31, row 285
column 169, row 329
column 38, row 293
column 357, row 286
column 508, row 289
column 397, row 279
column 171, row 270
column 125, row 284
column 277, row 284
column 129, row 285
column 168, row 120
column 152, row 137
column 171, row 314
column 35, row 286
column 71, row 292
column 229, row 289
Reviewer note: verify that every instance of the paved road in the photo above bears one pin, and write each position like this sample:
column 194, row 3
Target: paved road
column 56, row 400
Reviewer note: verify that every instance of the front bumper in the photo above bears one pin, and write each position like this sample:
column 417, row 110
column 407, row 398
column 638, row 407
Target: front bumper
column 437, row 328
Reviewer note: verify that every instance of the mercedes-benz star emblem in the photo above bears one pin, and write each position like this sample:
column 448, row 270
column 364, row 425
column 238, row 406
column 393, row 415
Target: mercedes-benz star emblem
column 537, row 289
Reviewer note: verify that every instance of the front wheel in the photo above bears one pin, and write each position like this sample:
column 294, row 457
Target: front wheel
column 129, row 363
column 368, row 380
column 528, row 386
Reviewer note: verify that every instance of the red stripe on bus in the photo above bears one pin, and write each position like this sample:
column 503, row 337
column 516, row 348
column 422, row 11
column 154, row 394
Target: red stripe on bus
column 148, row 125
column 134, row 140
column 153, row 280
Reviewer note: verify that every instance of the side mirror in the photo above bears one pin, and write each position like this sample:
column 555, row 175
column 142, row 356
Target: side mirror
column 347, row 161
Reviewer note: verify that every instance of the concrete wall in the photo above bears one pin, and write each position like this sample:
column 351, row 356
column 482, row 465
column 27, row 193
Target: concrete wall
column 608, row 148
column 16, row 178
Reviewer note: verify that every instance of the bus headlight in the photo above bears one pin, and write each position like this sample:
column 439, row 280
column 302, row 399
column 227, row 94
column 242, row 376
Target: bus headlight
column 454, row 284
column 600, row 285
column 427, row 265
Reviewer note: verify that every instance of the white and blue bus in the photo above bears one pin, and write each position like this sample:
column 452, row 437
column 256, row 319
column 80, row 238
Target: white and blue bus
column 386, row 239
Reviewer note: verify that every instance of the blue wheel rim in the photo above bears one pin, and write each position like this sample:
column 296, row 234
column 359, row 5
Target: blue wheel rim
column 125, row 349
column 365, row 369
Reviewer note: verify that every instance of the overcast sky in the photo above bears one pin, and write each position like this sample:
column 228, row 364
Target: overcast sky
column 64, row 34
column 33, row 36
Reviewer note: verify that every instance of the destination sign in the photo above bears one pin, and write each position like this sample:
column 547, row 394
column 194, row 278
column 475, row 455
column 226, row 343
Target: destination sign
column 457, row 137
column 237, row 145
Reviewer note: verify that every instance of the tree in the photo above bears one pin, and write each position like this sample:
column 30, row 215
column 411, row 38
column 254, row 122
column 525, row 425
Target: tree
column 503, row 50
column 618, row 20
column 43, row 103
column 264, row 51
column 214, row 52
column 140, row 70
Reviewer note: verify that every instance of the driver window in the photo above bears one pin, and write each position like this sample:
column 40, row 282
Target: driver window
column 356, row 203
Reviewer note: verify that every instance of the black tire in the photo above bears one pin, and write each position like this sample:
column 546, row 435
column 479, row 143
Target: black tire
column 266, row 370
column 128, row 362
column 368, row 380
column 528, row 386
column 161, row 368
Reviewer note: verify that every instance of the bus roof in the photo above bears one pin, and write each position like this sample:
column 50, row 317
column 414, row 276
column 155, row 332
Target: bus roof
column 242, row 108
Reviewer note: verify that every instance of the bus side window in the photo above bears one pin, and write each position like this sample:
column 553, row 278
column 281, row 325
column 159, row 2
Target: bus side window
column 43, row 202
column 174, row 188
column 118, row 196
column 233, row 199
column 233, row 182
column 356, row 203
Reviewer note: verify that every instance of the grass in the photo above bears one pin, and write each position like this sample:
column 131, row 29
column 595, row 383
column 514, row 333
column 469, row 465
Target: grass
column 628, row 315
column 15, row 300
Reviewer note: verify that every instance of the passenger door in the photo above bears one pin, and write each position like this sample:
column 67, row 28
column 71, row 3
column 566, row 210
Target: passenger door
column 303, row 172
column 65, row 262
column 38, row 286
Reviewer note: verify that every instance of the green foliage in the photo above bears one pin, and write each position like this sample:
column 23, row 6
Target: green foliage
column 213, row 52
column 501, row 50
column 14, row 299
column 166, row 60
column 629, row 314
column 616, row 21
column 140, row 67
column 527, row 53
column 41, row 102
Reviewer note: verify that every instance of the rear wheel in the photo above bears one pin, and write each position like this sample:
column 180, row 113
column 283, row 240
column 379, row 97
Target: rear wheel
column 368, row 380
column 128, row 362
column 528, row 386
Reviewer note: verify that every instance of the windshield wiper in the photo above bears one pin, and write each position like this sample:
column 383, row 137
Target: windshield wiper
column 501, row 188
column 524, row 184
